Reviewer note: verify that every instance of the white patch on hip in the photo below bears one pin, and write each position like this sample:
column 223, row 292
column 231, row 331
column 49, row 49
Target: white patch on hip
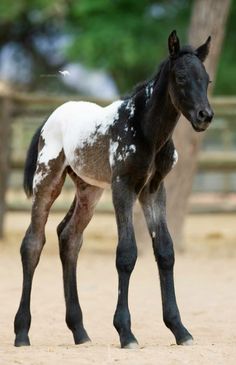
column 38, row 178
column 52, row 146
column 74, row 125
column 52, row 139
column 83, row 122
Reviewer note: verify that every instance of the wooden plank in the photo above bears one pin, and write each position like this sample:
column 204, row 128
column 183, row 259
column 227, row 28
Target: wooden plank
column 42, row 99
column 200, row 208
column 217, row 161
column 223, row 101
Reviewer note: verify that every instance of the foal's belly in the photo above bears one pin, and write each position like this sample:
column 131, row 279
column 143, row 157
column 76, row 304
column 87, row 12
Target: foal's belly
column 91, row 163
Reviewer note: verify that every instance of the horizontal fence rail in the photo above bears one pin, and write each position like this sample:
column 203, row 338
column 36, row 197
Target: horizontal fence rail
column 28, row 111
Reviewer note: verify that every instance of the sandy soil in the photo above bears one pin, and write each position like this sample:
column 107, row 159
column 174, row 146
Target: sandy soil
column 205, row 285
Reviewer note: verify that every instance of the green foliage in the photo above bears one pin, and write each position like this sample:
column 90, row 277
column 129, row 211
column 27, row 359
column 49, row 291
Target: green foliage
column 9, row 13
column 42, row 8
column 127, row 38
column 226, row 73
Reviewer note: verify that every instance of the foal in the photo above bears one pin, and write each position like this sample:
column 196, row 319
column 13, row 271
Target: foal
column 127, row 145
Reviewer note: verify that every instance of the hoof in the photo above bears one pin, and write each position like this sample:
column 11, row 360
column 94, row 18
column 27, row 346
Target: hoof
column 131, row 345
column 81, row 338
column 129, row 342
column 188, row 342
column 22, row 341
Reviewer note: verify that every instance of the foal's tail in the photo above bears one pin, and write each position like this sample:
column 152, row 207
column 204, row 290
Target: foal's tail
column 31, row 162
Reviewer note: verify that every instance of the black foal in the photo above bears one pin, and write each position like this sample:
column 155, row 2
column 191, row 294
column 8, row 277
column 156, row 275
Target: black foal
column 127, row 145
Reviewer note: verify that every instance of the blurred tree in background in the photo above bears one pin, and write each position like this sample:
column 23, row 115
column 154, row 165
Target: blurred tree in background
column 29, row 32
column 226, row 75
column 127, row 38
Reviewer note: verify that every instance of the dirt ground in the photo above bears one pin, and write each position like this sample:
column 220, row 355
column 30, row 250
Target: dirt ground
column 205, row 278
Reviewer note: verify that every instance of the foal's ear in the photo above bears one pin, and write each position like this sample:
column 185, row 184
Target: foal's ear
column 203, row 50
column 173, row 43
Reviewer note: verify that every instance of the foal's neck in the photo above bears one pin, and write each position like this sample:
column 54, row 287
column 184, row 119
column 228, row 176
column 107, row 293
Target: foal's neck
column 160, row 115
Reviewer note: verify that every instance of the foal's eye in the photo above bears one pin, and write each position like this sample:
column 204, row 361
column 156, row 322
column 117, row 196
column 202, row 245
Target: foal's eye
column 180, row 80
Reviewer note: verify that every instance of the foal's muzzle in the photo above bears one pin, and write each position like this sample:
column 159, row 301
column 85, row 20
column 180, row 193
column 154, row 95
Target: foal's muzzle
column 203, row 119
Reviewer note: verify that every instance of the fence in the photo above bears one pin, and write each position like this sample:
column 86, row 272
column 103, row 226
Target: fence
column 27, row 111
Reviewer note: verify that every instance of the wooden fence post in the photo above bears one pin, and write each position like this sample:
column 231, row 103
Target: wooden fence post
column 5, row 144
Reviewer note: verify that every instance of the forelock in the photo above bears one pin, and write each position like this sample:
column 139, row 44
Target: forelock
column 186, row 50
column 186, row 57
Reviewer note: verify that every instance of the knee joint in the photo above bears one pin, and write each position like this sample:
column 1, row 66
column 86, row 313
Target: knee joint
column 126, row 258
column 166, row 260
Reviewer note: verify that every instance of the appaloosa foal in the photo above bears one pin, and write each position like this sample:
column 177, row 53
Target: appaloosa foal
column 127, row 145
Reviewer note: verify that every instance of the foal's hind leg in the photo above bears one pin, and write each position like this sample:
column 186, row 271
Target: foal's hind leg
column 153, row 205
column 44, row 195
column 70, row 232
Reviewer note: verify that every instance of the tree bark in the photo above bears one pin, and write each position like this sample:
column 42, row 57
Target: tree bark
column 5, row 139
column 208, row 18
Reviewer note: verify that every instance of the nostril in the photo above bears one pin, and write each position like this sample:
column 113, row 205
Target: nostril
column 201, row 115
column 209, row 118
column 205, row 116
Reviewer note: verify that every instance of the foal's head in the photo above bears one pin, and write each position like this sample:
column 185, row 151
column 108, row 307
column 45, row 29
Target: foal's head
column 189, row 81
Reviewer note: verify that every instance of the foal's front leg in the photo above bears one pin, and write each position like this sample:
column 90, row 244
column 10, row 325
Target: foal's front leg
column 126, row 255
column 153, row 205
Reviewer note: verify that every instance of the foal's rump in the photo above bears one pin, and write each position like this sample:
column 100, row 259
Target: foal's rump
column 86, row 142
column 77, row 135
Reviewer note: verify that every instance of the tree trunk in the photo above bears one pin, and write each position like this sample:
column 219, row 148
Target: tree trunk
column 208, row 18
column 5, row 139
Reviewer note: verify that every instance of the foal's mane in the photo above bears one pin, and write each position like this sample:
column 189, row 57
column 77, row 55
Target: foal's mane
column 140, row 87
